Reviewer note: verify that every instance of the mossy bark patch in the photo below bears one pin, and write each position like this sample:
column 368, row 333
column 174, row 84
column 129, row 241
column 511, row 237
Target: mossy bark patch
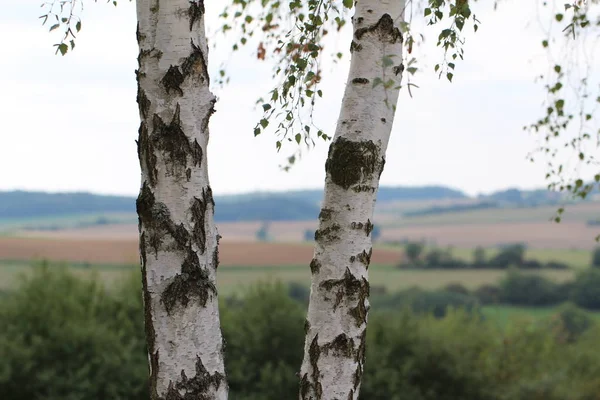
column 350, row 162
column 197, row 387
column 193, row 283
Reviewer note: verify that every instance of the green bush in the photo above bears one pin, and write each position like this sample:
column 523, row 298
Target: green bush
column 586, row 289
column 65, row 338
column 488, row 294
column 596, row 257
column 570, row 322
column 456, row 288
column 68, row 339
column 264, row 339
column 509, row 255
column 420, row 301
column 529, row 290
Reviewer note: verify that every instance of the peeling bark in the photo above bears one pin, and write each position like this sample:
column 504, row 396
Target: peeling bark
column 334, row 349
column 178, row 236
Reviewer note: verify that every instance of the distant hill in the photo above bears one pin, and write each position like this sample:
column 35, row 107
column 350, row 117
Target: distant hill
column 266, row 206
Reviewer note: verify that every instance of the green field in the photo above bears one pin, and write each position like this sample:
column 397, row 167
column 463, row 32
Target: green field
column 66, row 221
column 575, row 258
column 581, row 212
column 231, row 279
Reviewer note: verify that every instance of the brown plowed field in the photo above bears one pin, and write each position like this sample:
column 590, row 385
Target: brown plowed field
column 126, row 252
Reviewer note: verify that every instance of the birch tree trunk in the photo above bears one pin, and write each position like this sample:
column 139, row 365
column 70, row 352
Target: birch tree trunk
column 334, row 349
column 178, row 236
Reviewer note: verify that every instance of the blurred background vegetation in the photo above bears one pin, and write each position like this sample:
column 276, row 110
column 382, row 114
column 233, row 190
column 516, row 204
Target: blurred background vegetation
column 64, row 337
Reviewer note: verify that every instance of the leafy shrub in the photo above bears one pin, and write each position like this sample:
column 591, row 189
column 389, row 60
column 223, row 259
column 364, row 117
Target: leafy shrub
column 556, row 265
column 531, row 264
column 570, row 322
column 586, row 289
column 65, row 338
column 488, row 294
column 596, row 257
column 68, row 339
column 456, row 288
column 479, row 257
column 299, row 292
column 264, row 344
column 422, row 302
column 413, row 251
column 529, row 290
column 509, row 255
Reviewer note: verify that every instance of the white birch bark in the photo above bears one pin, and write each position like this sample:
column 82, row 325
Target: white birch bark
column 178, row 236
column 334, row 349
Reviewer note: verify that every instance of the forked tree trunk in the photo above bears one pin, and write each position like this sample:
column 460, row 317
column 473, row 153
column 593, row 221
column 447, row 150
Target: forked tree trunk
column 178, row 236
column 334, row 349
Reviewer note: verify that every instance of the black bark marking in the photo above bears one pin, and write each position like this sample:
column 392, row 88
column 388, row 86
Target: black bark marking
column 171, row 140
column 143, row 102
column 369, row 227
column 340, row 346
column 148, row 323
column 197, row 153
column 360, row 81
column 360, row 359
column 349, row 162
column 384, row 121
column 197, row 387
column 315, row 266
column 215, row 257
column 382, row 166
column 384, row 27
column 198, row 210
column 146, row 155
column 363, row 188
column 156, row 219
column 206, row 119
column 355, row 46
column 327, row 234
column 351, row 289
column 173, row 80
column 325, row 214
column 398, row 69
column 314, row 352
column 188, row 174
column 365, row 257
column 357, row 225
column 304, row 386
column 195, row 12
column 193, row 283
column 306, row 326
column 194, row 65
column 360, row 312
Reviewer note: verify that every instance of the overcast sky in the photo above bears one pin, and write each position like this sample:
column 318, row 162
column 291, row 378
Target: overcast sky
column 70, row 123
